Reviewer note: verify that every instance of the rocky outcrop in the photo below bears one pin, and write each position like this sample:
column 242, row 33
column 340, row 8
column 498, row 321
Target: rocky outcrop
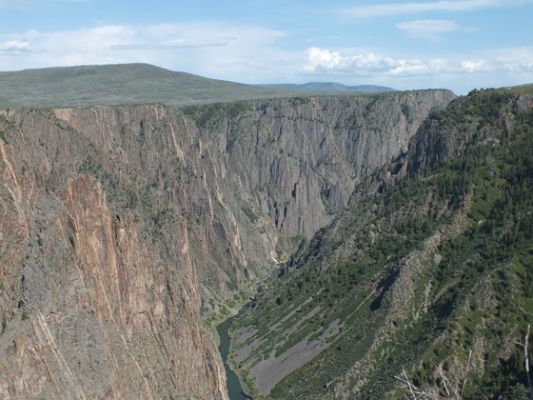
column 120, row 226
column 463, row 127
column 299, row 159
column 100, row 310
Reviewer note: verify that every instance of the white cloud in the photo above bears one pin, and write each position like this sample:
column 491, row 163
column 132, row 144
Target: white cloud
column 515, row 60
column 391, row 9
column 368, row 63
column 329, row 60
column 416, row 67
column 14, row 47
column 494, row 68
column 428, row 28
column 474, row 66
column 323, row 58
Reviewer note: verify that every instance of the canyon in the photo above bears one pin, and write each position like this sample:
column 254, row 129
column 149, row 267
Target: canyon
column 128, row 232
column 328, row 246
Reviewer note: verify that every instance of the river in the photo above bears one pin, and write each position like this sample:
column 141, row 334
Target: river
column 234, row 385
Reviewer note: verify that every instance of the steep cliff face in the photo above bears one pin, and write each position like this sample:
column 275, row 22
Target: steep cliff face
column 120, row 226
column 90, row 308
column 423, row 283
column 299, row 159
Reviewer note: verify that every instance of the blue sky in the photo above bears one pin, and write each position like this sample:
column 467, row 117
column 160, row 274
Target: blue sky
column 458, row 44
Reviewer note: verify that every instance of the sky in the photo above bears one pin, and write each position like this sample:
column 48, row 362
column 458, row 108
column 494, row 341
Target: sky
column 455, row 44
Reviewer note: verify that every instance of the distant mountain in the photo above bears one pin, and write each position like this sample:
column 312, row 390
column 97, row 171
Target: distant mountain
column 123, row 84
column 330, row 87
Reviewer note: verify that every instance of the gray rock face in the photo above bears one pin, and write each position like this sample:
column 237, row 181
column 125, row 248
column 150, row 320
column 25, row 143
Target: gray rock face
column 121, row 225
column 299, row 159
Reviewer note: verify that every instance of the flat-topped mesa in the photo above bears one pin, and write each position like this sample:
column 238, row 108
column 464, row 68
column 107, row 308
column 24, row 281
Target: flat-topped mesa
column 122, row 225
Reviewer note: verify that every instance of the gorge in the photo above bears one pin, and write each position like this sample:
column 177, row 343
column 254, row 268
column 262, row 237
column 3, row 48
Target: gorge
column 129, row 232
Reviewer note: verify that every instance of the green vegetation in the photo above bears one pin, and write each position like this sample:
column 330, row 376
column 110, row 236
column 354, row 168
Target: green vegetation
column 121, row 85
column 24, row 316
column 270, row 143
column 208, row 115
column 252, row 216
column 458, row 231
column 3, row 137
column 161, row 218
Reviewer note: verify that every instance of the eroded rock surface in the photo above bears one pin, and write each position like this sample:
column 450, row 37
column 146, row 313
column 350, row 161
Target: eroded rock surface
column 121, row 226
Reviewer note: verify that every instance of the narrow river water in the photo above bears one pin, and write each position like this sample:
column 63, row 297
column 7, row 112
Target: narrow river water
column 234, row 386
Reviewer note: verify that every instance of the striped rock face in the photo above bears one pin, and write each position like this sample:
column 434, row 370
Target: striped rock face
column 126, row 232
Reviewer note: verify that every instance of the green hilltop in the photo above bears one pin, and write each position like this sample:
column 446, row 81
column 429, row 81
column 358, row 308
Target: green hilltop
column 131, row 84
column 124, row 84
